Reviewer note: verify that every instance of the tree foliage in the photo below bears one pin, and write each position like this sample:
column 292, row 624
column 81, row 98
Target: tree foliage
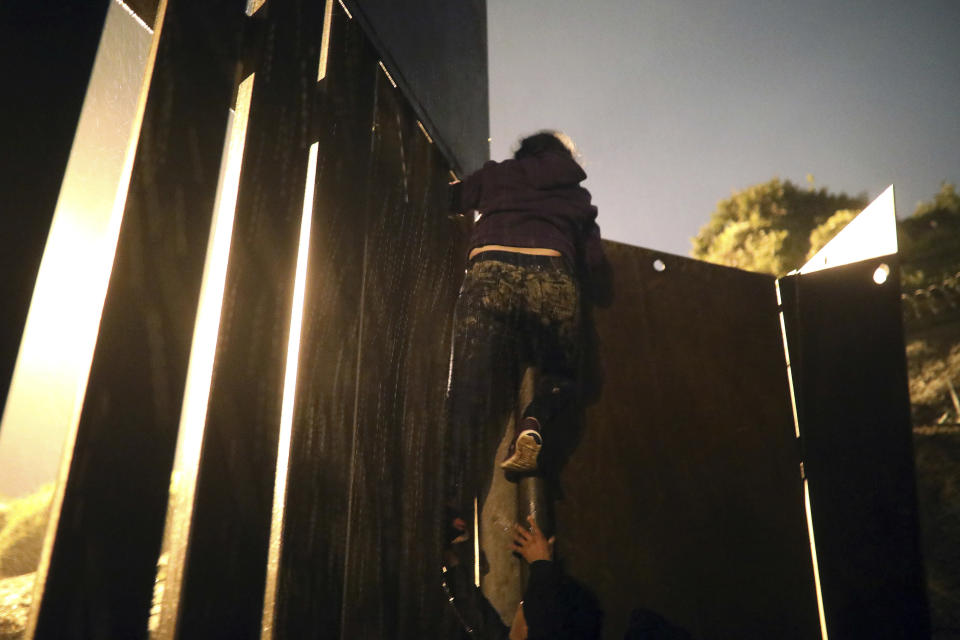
column 767, row 227
column 776, row 226
column 930, row 240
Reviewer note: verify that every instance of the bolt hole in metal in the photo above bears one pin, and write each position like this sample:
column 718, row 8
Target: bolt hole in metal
column 881, row 274
column 658, row 265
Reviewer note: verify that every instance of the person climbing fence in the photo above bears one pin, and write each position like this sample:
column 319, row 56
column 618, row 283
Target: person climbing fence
column 531, row 254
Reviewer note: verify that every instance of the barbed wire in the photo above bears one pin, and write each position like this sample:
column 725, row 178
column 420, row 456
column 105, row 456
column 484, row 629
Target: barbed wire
column 937, row 430
column 938, row 299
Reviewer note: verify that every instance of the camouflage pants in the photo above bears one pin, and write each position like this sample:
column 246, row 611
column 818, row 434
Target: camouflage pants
column 514, row 310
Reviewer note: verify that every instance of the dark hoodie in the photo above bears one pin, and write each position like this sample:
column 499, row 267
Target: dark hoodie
column 535, row 201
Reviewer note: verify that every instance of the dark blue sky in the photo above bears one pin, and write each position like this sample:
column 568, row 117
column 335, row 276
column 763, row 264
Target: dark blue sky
column 674, row 104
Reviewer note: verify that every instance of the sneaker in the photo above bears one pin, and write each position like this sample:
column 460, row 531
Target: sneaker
column 526, row 449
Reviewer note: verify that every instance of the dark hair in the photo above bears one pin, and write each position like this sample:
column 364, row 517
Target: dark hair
column 544, row 142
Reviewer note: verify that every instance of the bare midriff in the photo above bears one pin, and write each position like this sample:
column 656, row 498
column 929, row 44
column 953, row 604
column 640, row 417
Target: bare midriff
column 531, row 251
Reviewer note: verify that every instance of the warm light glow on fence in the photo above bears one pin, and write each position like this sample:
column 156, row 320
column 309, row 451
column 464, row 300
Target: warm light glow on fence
column 50, row 374
column 872, row 234
column 42, row 413
column 253, row 6
column 289, row 393
column 806, row 489
column 325, row 41
column 383, row 68
column 813, row 555
column 786, row 358
column 476, row 543
column 193, row 415
column 423, row 130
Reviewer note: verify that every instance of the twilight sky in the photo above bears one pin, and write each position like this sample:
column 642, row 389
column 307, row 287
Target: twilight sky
column 676, row 103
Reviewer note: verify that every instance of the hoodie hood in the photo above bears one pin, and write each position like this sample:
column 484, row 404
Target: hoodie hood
column 551, row 170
